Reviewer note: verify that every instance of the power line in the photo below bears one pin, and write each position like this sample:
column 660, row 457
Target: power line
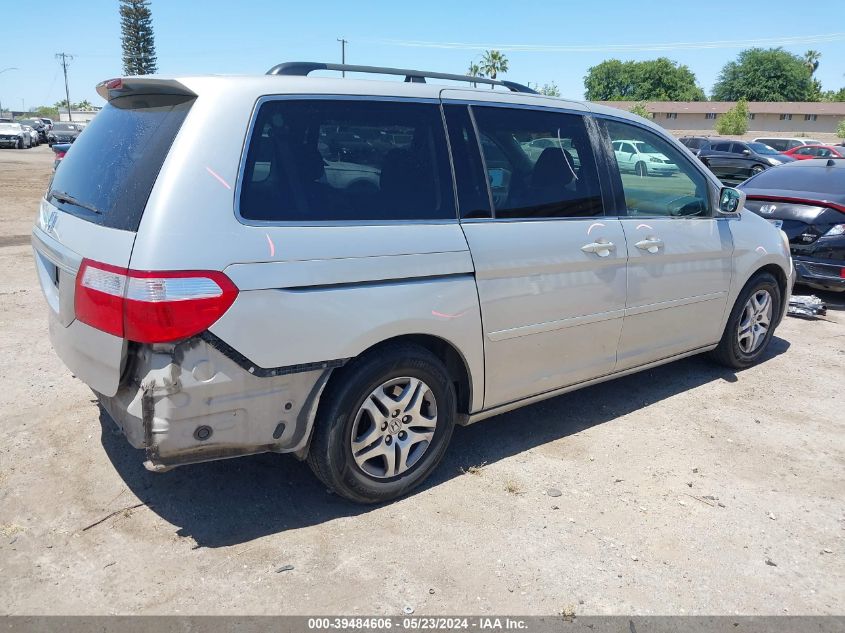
column 65, row 58
column 621, row 48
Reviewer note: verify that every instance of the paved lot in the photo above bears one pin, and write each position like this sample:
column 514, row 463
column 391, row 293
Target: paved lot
column 686, row 489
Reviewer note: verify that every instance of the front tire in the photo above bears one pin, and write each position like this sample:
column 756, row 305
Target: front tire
column 751, row 324
column 757, row 169
column 384, row 424
column 641, row 170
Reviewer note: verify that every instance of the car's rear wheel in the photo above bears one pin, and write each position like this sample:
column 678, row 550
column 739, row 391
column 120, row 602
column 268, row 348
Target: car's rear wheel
column 642, row 170
column 751, row 324
column 384, row 424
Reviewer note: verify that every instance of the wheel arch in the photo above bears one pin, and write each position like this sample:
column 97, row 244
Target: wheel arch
column 456, row 365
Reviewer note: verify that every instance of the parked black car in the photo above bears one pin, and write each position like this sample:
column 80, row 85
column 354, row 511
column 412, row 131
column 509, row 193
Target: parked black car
column 63, row 132
column 807, row 199
column 38, row 126
column 737, row 160
column 696, row 143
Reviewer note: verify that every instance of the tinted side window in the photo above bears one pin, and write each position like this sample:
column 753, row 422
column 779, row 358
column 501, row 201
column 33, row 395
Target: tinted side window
column 528, row 180
column 473, row 198
column 338, row 160
column 660, row 180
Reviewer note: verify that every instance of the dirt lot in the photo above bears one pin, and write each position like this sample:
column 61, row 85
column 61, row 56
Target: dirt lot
column 686, row 489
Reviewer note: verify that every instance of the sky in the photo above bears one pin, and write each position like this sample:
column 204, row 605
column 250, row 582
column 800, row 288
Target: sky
column 545, row 41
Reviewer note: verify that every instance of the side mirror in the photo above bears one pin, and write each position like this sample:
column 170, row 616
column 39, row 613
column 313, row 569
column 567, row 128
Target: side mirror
column 731, row 202
column 746, row 152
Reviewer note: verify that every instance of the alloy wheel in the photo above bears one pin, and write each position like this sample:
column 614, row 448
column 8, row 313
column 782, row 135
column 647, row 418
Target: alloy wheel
column 394, row 427
column 755, row 321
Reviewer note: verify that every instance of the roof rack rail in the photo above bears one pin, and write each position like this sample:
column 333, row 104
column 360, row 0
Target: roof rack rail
column 302, row 69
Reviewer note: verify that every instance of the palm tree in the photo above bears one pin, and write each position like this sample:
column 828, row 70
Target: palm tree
column 811, row 60
column 493, row 63
column 474, row 70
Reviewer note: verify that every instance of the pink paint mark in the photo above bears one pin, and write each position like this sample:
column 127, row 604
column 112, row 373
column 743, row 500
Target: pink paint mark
column 594, row 225
column 762, row 250
column 644, row 226
column 271, row 245
column 448, row 316
column 217, row 176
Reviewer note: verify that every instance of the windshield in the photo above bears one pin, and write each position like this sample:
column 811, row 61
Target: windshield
column 645, row 148
column 108, row 176
column 65, row 127
column 760, row 148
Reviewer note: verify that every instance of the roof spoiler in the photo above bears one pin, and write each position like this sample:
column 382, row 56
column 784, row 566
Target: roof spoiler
column 302, row 69
column 124, row 86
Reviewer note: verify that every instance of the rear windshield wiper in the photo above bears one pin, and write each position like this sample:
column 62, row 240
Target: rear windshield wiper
column 61, row 196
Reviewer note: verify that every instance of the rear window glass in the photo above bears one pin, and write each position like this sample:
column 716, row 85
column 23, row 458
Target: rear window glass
column 813, row 178
column 109, row 172
column 347, row 160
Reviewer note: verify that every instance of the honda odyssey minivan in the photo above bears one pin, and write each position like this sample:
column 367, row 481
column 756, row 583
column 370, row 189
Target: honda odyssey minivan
column 348, row 268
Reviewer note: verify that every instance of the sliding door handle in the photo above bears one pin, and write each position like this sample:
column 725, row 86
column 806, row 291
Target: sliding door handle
column 600, row 247
column 650, row 244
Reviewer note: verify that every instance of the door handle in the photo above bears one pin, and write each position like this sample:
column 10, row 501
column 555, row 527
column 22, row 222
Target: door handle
column 600, row 247
column 651, row 244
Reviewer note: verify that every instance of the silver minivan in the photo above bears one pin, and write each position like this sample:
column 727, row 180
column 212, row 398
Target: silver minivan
column 344, row 269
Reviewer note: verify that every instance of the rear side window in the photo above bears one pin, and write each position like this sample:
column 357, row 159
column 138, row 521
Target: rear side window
column 113, row 165
column 540, row 163
column 347, row 160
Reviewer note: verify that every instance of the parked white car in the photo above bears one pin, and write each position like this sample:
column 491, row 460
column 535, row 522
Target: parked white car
column 249, row 292
column 642, row 159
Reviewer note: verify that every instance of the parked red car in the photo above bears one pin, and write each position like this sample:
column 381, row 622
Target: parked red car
column 803, row 152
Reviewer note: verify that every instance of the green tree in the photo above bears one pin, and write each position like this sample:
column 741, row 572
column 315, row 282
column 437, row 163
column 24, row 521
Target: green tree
column 840, row 129
column 764, row 75
column 136, row 26
column 811, row 61
column 493, row 63
column 82, row 105
column 474, row 70
column 550, row 90
column 640, row 110
column 735, row 120
column 833, row 95
column 49, row 112
column 654, row 80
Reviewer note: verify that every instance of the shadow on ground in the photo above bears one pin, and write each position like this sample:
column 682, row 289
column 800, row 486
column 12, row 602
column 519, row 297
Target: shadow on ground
column 234, row 501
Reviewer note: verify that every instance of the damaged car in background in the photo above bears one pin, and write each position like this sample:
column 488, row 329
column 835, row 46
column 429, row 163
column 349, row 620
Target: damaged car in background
column 806, row 200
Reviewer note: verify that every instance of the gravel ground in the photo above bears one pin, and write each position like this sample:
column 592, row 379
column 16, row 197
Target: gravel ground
column 687, row 489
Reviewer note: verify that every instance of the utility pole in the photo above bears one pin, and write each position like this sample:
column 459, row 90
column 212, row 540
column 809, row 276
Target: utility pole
column 65, row 57
column 343, row 44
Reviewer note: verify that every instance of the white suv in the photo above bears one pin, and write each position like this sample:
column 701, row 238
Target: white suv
column 345, row 269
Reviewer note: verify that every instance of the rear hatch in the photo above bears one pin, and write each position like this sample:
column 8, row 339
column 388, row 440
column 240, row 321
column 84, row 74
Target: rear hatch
column 92, row 211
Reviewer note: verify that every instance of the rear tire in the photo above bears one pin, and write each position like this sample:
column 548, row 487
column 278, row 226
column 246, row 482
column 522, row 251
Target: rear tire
column 383, row 424
column 751, row 324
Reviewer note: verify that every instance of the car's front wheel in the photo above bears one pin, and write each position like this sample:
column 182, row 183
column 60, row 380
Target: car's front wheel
column 751, row 324
column 757, row 169
column 642, row 170
column 383, row 424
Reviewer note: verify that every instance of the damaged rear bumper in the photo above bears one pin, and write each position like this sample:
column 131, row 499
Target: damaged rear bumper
column 189, row 402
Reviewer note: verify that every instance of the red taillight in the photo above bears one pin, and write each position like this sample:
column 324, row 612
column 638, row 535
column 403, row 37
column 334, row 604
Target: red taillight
column 842, row 273
column 151, row 306
column 60, row 155
column 114, row 84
